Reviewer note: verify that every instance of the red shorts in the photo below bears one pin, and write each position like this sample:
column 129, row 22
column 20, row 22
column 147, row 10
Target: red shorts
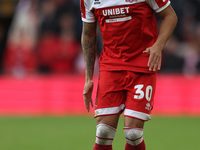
column 126, row 91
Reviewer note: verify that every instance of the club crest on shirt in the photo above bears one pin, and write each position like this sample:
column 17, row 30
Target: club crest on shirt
column 130, row 1
column 97, row 2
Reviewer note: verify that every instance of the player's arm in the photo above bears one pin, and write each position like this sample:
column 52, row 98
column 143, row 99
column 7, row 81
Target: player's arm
column 169, row 21
column 88, row 41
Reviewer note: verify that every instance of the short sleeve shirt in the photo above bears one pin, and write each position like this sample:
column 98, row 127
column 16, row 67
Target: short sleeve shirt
column 128, row 27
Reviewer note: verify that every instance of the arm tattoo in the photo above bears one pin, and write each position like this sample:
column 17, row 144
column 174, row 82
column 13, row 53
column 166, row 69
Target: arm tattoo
column 89, row 47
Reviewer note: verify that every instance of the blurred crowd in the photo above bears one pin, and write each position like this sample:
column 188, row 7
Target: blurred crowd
column 44, row 37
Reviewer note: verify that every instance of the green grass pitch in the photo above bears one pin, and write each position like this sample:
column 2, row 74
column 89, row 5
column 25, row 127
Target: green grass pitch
column 78, row 133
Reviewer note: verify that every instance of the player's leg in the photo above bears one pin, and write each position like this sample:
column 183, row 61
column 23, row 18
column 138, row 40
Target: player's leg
column 133, row 130
column 139, row 103
column 109, row 105
column 105, row 132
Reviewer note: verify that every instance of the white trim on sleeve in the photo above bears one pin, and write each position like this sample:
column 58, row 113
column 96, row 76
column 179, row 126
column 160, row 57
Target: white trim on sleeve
column 137, row 114
column 162, row 8
column 88, row 20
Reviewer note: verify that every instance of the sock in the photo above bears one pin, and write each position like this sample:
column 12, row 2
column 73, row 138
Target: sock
column 141, row 146
column 102, row 147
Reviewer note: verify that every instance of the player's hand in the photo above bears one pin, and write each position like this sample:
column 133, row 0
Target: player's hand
column 155, row 57
column 87, row 94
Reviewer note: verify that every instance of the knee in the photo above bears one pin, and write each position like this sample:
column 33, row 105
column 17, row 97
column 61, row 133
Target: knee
column 134, row 136
column 105, row 134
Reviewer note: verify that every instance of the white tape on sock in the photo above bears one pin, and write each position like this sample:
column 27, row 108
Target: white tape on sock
column 105, row 134
column 134, row 136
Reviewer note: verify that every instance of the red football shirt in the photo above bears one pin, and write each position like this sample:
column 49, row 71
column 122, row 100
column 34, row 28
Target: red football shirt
column 128, row 27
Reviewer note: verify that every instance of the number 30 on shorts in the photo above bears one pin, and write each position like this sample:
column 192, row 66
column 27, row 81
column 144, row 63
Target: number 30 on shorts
column 140, row 92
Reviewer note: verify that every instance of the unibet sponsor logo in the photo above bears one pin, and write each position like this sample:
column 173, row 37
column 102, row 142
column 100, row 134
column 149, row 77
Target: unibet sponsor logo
column 116, row 11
